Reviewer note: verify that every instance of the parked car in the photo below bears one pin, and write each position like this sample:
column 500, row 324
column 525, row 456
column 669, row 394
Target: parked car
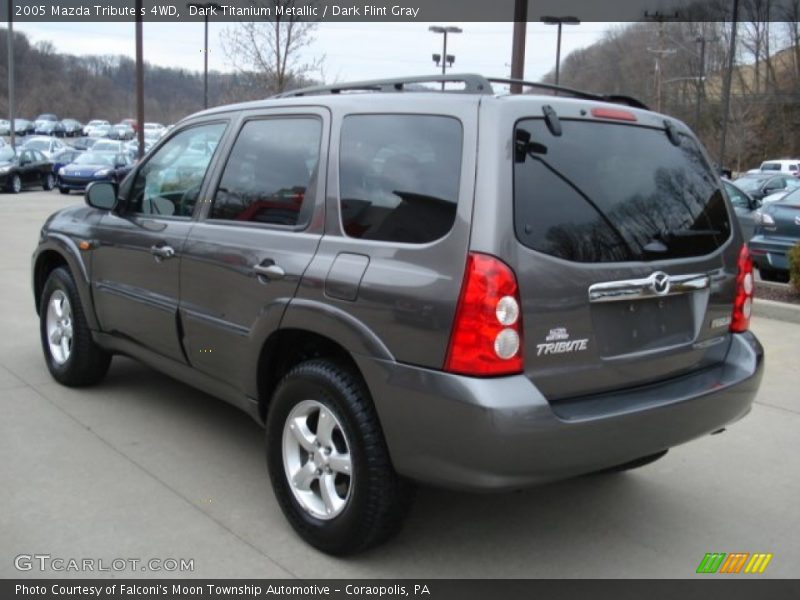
column 96, row 128
column 23, row 127
column 64, row 158
column 790, row 166
column 777, row 231
column 132, row 123
column 29, row 168
column 113, row 146
column 46, row 145
column 398, row 298
column 83, row 143
column 745, row 207
column 132, row 147
column 52, row 128
column 760, row 185
column 791, row 184
column 93, row 166
column 72, row 128
column 44, row 117
column 121, row 131
column 154, row 130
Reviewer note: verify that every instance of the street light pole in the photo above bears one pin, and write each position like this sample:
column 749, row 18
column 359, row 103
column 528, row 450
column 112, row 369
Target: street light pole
column 518, row 44
column 206, row 8
column 559, row 21
column 11, row 107
column 444, row 31
column 139, row 79
column 726, row 93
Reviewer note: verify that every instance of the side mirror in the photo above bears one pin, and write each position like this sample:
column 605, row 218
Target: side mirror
column 101, row 195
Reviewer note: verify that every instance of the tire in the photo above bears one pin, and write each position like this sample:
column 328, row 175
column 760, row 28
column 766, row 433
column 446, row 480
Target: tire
column 79, row 361
column 773, row 275
column 49, row 182
column 15, row 185
column 635, row 464
column 371, row 502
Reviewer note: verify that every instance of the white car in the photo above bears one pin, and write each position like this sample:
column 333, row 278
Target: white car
column 93, row 128
column 45, row 144
column 154, row 130
column 109, row 146
column 784, row 165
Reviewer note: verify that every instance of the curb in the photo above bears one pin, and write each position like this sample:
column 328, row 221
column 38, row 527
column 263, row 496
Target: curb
column 780, row 311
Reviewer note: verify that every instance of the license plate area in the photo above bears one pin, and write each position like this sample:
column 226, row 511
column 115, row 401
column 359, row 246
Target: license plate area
column 643, row 325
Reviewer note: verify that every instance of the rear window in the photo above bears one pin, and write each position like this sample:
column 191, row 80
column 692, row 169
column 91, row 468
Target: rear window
column 399, row 176
column 605, row 192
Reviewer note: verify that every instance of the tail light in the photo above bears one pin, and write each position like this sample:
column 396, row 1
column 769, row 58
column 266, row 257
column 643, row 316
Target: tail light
column 487, row 330
column 743, row 302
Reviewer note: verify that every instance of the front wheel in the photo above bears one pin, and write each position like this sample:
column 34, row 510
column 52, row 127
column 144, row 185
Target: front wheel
column 16, row 184
column 328, row 461
column 48, row 182
column 71, row 354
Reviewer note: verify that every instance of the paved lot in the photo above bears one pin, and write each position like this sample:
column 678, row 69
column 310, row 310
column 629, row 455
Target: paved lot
column 144, row 467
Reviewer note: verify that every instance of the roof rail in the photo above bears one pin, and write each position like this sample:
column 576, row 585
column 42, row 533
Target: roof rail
column 614, row 98
column 473, row 84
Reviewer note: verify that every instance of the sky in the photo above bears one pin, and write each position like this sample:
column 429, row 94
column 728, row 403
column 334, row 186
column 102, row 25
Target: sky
column 352, row 51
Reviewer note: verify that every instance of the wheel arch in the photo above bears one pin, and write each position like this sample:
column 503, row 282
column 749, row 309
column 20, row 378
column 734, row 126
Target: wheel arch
column 60, row 251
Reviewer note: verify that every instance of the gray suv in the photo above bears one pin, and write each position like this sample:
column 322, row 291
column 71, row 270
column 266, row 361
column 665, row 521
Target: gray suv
column 461, row 288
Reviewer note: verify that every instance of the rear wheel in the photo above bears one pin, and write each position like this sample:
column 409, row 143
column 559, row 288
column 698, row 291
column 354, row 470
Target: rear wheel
column 71, row 355
column 48, row 182
column 328, row 461
column 15, row 185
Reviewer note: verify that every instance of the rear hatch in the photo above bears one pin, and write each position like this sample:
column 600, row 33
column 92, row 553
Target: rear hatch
column 625, row 273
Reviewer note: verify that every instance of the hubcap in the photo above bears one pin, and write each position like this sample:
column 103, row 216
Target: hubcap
column 16, row 183
column 58, row 326
column 316, row 459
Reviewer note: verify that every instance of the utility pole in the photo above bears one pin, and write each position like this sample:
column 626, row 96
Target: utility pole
column 11, row 108
column 701, row 79
column 660, row 18
column 139, row 80
column 726, row 93
column 518, row 45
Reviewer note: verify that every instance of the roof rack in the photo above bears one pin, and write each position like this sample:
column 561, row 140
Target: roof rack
column 473, row 84
column 613, row 98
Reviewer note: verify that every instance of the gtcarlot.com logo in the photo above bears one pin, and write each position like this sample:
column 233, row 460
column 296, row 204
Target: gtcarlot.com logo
column 47, row 562
column 734, row 563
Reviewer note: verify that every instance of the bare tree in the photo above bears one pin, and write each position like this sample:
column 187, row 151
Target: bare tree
column 272, row 51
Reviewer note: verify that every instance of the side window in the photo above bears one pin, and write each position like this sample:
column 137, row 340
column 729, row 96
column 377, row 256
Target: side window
column 399, row 176
column 169, row 182
column 270, row 172
column 737, row 197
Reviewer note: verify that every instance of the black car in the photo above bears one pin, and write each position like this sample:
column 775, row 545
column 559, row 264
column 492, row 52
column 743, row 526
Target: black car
column 28, row 169
column 83, row 143
column 777, row 231
column 93, row 166
column 745, row 206
column 72, row 127
column 759, row 185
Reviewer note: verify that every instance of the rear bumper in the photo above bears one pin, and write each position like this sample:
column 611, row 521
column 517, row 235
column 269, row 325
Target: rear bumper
column 495, row 434
column 771, row 253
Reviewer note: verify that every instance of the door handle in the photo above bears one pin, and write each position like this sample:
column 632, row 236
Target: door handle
column 162, row 252
column 271, row 271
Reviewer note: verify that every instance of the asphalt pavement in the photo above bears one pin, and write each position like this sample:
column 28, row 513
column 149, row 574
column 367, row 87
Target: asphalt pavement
column 143, row 467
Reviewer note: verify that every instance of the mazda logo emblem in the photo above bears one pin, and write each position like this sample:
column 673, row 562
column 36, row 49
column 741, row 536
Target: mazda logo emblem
column 660, row 283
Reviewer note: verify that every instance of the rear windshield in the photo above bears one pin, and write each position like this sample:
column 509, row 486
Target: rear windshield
column 604, row 192
column 771, row 167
